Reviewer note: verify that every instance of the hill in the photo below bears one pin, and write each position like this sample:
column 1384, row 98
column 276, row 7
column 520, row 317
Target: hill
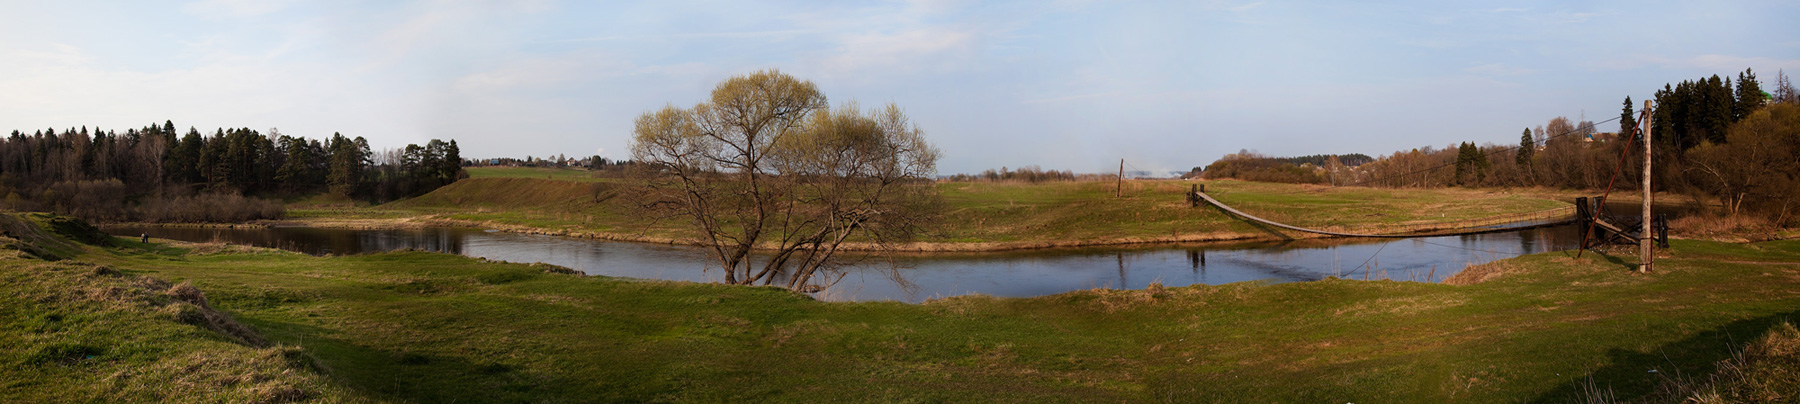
column 74, row 331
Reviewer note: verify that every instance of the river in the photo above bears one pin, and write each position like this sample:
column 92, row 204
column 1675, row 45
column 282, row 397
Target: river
column 926, row 276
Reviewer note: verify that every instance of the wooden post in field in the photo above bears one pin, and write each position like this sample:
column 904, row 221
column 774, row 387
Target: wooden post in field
column 1120, row 192
column 1644, row 239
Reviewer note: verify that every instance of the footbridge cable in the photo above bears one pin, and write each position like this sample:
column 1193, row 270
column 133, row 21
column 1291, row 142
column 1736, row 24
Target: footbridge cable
column 1222, row 206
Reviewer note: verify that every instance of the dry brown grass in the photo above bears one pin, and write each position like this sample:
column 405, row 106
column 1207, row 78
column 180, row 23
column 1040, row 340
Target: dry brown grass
column 211, row 248
column 191, row 307
column 258, row 376
column 1408, row 305
column 1474, row 274
column 1728, row 228
column 1766, row 371
column 140, row 339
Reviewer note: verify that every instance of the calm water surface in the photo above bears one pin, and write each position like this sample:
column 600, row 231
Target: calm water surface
column 1013, row 274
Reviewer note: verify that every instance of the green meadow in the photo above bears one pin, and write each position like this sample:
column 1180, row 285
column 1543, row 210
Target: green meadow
column 110, row 321
column 974, row 215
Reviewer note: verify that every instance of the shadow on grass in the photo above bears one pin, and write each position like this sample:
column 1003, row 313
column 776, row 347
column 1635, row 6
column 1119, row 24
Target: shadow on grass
column 1631, row 375
column 417, row 376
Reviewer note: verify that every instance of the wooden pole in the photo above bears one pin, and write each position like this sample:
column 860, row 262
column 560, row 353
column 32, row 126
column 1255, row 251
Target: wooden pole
column 1644, row 239
column 1120, row 192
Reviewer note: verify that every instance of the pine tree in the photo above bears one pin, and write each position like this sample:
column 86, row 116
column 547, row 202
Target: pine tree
column 1466, row 168
column 450, row 165
column 1749, row 96
column 1627, row 121
column 348, row 160
column 1527, row 147
column 1717, row 112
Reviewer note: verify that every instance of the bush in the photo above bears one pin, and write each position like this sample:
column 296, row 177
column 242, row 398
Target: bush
column 1757, row 171
column 1253, row 167
column 1030, row 174
column 208, row 208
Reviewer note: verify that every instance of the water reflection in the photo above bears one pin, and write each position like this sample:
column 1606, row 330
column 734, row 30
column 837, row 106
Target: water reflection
column 1023, row 273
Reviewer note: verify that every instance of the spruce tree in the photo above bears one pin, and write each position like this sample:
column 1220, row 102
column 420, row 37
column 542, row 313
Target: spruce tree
column 1627, row 121
column 1749, row 96
column 1717, row 111
column 1527, row 146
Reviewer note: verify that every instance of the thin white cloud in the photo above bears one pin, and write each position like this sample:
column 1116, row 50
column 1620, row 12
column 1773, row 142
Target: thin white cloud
column 1497, row 69
column 903, row 51
column 230, row 9
column 57, row 55
column 934, row 6
column 748, row 34
column 1246, row 6
column 1070, row 98
column 542, row 73
column 1571, row 18
column 1231, row 5
column 56, row 90
column 1707, row 62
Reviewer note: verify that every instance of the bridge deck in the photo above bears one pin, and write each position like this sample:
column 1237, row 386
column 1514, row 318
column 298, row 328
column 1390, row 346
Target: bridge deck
column 1485, row 229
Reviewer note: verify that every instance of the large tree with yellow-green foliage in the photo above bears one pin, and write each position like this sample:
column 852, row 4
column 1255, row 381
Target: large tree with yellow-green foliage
column 767, row 164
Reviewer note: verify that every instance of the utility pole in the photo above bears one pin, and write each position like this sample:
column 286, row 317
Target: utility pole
column 1120, row 192
column 1644, row 239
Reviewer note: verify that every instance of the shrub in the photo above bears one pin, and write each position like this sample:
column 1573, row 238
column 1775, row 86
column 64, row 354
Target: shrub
column 216, row 207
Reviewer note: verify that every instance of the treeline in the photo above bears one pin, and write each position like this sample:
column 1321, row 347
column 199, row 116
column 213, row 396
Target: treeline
column 153, row 174
column 1313, row 169
column 1714, row 137
column 591, row 163
column 1030, row 174
column 1321, row 160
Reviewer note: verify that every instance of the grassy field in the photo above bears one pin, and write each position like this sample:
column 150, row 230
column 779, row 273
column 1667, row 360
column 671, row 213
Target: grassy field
column 549, row 173
column 983, row 215
column 426, row 327
column 74, row 331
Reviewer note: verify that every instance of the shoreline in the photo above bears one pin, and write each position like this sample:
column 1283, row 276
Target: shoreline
column 427, row 221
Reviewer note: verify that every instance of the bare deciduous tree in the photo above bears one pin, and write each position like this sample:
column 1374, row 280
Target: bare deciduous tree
column 1758, row 169
column 767, row 165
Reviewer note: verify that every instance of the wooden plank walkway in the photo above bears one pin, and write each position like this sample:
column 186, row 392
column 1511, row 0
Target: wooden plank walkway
column 1453, row 232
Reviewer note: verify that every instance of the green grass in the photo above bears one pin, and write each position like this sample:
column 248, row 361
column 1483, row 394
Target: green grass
column 412, row 326
column 1045, row 214
column 1158, row 208
column 72, row 331
column 549, row 173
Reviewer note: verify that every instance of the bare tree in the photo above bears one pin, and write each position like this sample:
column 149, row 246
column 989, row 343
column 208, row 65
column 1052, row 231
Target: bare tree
column 1758, row 169
column 766, row 165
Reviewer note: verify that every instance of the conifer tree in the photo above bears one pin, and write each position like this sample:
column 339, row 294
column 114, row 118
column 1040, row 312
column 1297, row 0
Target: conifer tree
column 1627, row 121
column 1527, row 147
column 1749, row 96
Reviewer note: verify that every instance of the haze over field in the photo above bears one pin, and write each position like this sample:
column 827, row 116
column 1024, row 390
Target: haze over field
column 1066, row 85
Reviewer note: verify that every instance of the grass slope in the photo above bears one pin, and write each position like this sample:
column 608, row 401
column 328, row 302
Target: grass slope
column 78, row 332
column 1006, row 214
column 436, row 328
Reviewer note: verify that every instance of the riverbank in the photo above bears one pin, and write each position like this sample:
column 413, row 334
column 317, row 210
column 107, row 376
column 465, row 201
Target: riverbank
column 424, row 327
column 976, row 217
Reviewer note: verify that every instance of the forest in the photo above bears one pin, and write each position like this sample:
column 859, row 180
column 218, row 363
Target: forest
column 1028, row 174
column 152, row 174
column 1315, row 169
column 1715, row 139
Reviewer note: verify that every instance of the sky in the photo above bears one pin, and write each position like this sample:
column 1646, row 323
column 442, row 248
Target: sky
column 1066, row 85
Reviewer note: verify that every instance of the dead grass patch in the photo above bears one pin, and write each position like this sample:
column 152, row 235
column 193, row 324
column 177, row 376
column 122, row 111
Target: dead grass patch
column 1766, row 371
column 1727, row 228
column 1474, row 274
column 1402, row 305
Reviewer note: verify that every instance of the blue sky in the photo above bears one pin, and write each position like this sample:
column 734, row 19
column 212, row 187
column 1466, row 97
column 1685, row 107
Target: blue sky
column 1060, row 84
